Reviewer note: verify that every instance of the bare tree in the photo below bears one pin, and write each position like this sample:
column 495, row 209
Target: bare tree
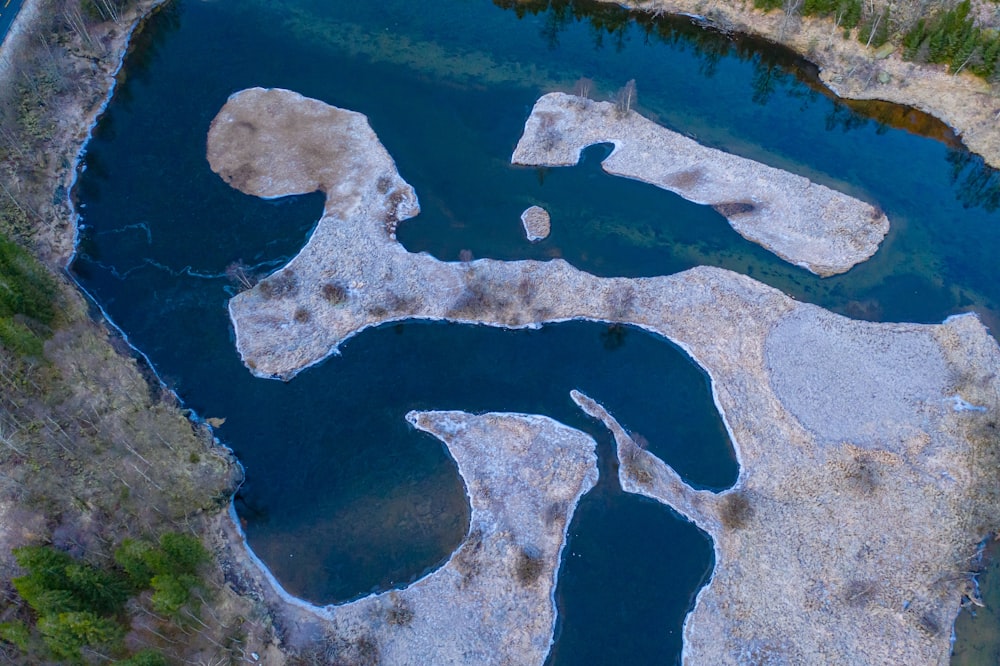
column 74, row 19
column 109, row 10
column 791, row 9
column 583, row 87
column 238, row 273
column 625, row 99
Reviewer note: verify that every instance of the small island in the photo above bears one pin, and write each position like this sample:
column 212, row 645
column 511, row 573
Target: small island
column 537, row 224
column 802, row 222
column 868, row 451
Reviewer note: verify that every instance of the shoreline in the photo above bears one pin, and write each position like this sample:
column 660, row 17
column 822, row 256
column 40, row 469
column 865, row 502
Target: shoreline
column 966, row 104
column 463, row 608
column 806, row 224
column 68, row 180
column 95, row 117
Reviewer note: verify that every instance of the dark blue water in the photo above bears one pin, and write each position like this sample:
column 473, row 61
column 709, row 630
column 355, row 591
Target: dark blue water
column 341, row 496
column 8, row 12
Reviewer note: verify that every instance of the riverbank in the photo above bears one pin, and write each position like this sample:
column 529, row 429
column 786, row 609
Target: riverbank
column 70, row 80
column 968, row 104
column 98, row 451
column 493, row 601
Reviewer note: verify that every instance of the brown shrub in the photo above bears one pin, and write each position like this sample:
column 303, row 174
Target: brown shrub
column 735, row 510
column 684, row 180
column 302, row 315
column 554, row 513
column 467, row 560
column 402, row 304
column 619, row 301
column 399, row 614
column 279, row 285
column 863, row 476
column 735, row 208
column 526, row 290
column 334, row 293
column 528, row 567
column 858, row 593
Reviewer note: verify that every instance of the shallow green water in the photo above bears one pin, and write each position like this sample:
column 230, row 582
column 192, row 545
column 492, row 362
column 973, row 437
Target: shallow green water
column 341, row 496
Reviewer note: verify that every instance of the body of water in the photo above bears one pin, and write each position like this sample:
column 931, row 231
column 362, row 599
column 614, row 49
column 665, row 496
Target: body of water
column 342, row 498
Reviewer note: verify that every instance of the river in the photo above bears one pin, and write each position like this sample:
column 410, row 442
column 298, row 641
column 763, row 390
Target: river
column 341, row 496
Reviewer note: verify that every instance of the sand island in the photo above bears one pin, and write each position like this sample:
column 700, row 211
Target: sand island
column 868, row 451
column 352, row 273
column 802, row 222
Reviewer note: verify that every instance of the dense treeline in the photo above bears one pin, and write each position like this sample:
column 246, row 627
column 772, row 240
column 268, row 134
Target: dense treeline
column 951, row 37
column 78, row 608
column 26, row 308
column 946, row 36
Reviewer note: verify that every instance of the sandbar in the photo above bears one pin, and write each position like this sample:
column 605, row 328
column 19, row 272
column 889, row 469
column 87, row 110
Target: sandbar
column 805, row 223
column 867, row 451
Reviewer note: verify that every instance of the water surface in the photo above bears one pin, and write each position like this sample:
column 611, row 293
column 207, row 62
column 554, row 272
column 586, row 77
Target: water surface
column 342, row 497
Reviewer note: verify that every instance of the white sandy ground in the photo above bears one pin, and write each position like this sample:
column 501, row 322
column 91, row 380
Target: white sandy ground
column 493, row 601
column 863, row 489
column 272, row 143
column 804, row 223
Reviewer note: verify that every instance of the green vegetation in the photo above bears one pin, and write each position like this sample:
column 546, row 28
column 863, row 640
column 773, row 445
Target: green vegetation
column 945, row 36
column 950, row 37
column 169, row 569
column 145, row 658
column 846, row 13
column 79, row 607
column 93, row 453
column 26, row 308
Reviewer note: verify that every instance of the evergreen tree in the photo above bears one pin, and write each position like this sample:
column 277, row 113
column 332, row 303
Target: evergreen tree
column 66, row 634
column 133, row 556
column 185, row 552
column 172, row 591
column 145, row 658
